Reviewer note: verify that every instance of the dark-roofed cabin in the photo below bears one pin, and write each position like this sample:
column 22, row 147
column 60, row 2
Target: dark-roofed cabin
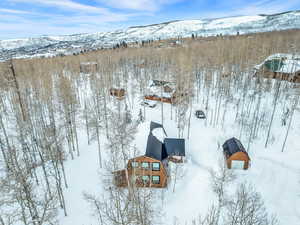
column 172, row 149
column 142, row 171
column 235, row 154
column 150, row 170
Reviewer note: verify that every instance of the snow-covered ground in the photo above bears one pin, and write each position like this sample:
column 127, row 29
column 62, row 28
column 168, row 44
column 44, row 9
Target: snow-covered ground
column 274, row 174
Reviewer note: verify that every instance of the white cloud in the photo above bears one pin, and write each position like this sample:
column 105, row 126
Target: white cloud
column 77, row 19
column 267, row 7
column 20, row 25
column 244, row 8
column 66, row 5
column 13, row 11
column 145, row 5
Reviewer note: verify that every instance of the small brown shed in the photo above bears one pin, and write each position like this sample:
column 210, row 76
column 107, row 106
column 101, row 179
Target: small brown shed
column 235, row 154
column 142, row 171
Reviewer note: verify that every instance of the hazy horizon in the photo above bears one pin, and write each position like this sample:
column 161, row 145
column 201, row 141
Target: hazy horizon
column 34, row 18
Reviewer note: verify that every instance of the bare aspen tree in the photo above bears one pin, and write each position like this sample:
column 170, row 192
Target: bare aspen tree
column 219, row 180
column 296, row 100
column 276, row 98
column 247, row 208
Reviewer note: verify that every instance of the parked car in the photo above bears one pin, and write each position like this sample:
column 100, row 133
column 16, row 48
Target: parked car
column 200, row 114
column 148, row 103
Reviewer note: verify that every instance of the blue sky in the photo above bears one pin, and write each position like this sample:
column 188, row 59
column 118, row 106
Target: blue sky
column 31, row 18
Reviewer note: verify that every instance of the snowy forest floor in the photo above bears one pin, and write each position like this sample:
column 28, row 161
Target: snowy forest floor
column 274, row 174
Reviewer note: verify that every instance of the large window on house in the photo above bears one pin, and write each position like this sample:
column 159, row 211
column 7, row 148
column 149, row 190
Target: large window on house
column 145, row 179
column 155, row 179
column 145, row 165
column 155, row 166
column 134, row 164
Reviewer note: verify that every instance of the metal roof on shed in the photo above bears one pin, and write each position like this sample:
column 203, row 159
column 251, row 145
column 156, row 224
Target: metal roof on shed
column 232, row 146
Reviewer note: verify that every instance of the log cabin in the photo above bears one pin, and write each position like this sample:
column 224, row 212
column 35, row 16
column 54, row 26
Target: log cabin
column 164, row 91
column 235, row 154
column 160, row 90
column 280, row 67
column 151, row 170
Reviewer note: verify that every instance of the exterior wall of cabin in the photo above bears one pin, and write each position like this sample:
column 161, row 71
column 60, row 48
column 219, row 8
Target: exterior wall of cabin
column 157, row 98
column 241, row 156
column 136, row 173
column 291, row 77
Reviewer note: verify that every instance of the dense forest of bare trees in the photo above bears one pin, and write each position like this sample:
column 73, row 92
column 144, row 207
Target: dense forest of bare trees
column 46, row 104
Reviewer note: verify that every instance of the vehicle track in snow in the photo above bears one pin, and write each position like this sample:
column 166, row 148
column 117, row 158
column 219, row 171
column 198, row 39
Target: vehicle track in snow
column 281, row 164
column 196, row 163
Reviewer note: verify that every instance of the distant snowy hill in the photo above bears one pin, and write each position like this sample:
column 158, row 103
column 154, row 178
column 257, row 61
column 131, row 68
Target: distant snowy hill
column 68, row 44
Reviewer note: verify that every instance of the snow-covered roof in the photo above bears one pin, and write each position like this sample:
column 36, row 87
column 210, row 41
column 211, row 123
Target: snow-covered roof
column 88, row 63
column 290, row 62
column 156, row 87
column 157, row 83
column 159, row 133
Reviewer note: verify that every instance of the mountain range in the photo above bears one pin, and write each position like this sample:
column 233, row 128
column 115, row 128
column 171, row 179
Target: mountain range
column 69, row 44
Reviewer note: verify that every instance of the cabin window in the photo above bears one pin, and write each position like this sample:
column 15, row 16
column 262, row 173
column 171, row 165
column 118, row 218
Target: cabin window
column 145, row 165
column 155, row 166
column 145, row 179
column 135, row 164
column 155, row 179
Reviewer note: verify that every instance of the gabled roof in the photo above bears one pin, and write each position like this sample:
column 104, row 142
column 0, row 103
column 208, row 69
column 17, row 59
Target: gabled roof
column 154, row 125
column 160, row 147
column 175, row 146
column 232, row 146
column 155, row 148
